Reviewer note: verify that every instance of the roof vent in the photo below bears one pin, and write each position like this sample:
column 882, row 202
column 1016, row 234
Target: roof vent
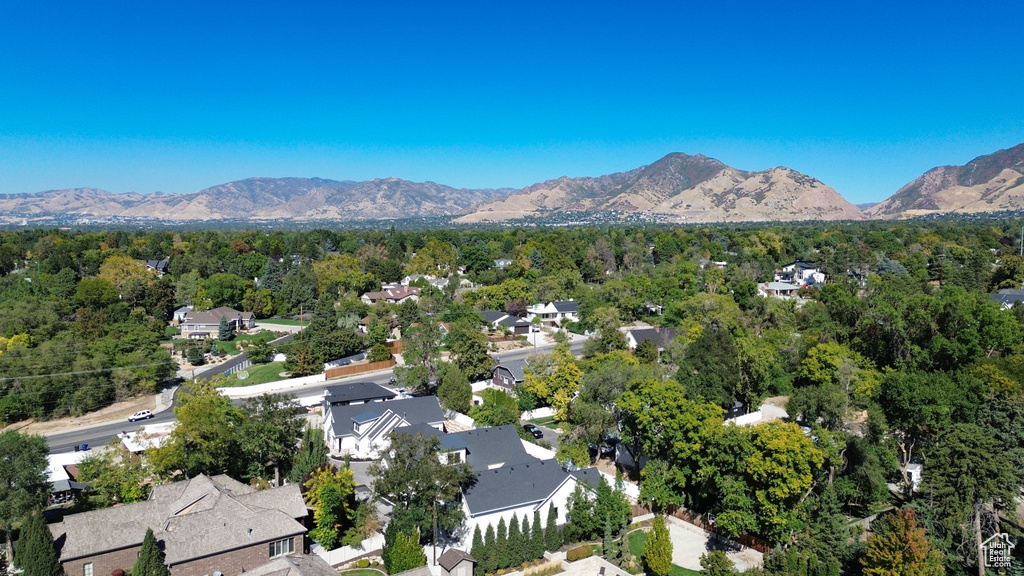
column 249, row 533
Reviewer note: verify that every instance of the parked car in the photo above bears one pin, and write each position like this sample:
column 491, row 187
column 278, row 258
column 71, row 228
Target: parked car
column 531, row 429
column 140, row 415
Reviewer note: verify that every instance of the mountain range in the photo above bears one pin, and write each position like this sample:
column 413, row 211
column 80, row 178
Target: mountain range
column 676, row 188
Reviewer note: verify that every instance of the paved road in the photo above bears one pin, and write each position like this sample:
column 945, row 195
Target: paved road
column 99, row 435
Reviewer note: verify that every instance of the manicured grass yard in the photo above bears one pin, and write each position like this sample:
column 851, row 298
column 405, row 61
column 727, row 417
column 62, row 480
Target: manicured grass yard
column 234, row 346
column 362, row 572
column 258, row 374
column 543, row 421
column 636, row 548
column 283, row 322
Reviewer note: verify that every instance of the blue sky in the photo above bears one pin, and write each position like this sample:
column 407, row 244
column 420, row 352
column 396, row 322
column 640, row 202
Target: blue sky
column 178, row 96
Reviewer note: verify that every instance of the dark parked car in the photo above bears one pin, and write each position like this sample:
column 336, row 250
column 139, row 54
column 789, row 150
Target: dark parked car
column 531, row 429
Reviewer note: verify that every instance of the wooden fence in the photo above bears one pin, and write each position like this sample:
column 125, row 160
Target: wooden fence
column 351, row 369
column 702, row 521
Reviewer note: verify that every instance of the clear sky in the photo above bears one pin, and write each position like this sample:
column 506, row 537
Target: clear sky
column 177, row 96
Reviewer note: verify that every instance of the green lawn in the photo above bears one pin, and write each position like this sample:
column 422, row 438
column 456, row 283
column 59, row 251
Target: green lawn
column 233, row 346
column 258, row 374
column 283, row 322
column 362, row 572
column 543, row 421
column 636, row 548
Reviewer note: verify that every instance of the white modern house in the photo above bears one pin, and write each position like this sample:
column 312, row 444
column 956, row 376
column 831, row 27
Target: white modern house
column 554, row 313
column 801, row 273
column 362, row 430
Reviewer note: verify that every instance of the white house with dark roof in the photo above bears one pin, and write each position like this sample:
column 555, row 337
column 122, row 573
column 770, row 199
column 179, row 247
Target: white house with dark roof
column 356, row 393
column 554, row 313
column 362, row 430
column 392, row 295
column 801, row 273
column 203, row 324
column 509, row 374
column 661, row 336
column 520, row 489
column 205, row 524
column 500, row 321
column 1007, row 297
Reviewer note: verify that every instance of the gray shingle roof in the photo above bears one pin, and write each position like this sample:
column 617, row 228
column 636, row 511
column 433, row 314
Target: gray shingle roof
column 305, row 565
column 493, row 445
column 1008, row 297
column 661, row 337
column 357, row 392
column 448, row 441
column 515, row 368
column 566, row 306
column 513, row 486
column 416, row 410
column 492, row 316
column 451, row 558
column 193, row 518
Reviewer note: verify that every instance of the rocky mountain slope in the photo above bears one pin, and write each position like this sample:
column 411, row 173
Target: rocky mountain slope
column 683, row 188
column 990, row 183
column 259, row 199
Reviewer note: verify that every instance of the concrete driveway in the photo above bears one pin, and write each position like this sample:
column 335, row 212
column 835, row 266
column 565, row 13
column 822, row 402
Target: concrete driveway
column 689, row 543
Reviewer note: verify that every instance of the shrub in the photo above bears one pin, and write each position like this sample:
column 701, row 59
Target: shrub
column 375, row 563
column 364, row 563
column 579, row 553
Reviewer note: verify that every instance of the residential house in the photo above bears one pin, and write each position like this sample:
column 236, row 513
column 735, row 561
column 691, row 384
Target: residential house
column 392, row 295
column 482, row 448
column 304, row 565
column 158, row 266
column 501, row 321
column 502, row 263
column 520, row 489
column 181, row 313
column 456, row 563
column 62, row 470
column 361, row 430
column 1007, row 297
column 509, row 374
column 206, row 323
column 661, row 336
column 801, row 273
column 780, row 290
column 205, row 525
column 356, row 393
column 554, row 313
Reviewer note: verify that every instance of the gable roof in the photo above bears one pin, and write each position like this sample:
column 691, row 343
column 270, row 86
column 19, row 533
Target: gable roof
column 660, row 336
column 1008, row 297
column 513, row 486
column 304, row 565
column 515, row 368
column 565, row 306
column 356, row 392
column 214, row 315
column 394, row 293
column 492, row 445
column 492, row 316
column 448, row 441
column 415, row 410
column 194, row 518
column 451, row 558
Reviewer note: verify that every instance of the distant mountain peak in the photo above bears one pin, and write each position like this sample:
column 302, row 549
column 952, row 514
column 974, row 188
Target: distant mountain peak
column 989, row 183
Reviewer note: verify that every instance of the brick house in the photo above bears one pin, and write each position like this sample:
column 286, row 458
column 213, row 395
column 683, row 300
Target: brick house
column 205, row 525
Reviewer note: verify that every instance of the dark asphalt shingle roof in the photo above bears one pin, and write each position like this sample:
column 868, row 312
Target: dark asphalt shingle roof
column 448, row 441
column 357, row 392
column 513, row 486
column 493, row 445
column 514, row 367
column 661, row 337
column 566, row 306
column 451, row 558
column 416, row 410
column 492, row 316
column 1008, row 297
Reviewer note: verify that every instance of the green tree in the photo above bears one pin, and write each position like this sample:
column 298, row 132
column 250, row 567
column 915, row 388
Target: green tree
column 205, row 441
column 497, row 409
column 414, row 479
column 455, row 392
column 898, row 546
column 268, row 434
column 36, row 554
column 259, row 350
column 536, row 537
column 151, row 561
column 23, row 481
column 646, row 352
column 501, row 544
column 224, row 331
column 657, row 556
column 302, row 359
column 327, row 518
column 716, row 563
column 477, row 550
column 489, row 558
column 116, row 475
column 379, row 353
column 312, row 454
column 580, row 523
column 401, row 551
column 468, row 346
column 552, row 535
column 421, row 351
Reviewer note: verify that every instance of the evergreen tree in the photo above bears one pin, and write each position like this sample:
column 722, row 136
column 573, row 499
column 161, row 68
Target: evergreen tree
column 609, row 544
column 490, row 556
column 501, row 544
column 36, row 554
column 312, row 454
column 552, row 537
column 899, row 546
column 536, row 538
column 224, row 332
column 658, row 549
column 477, row 551
column 515, row 542
column 390, row 535
column 716, row 563
column 406, row 553
column 151, row 560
